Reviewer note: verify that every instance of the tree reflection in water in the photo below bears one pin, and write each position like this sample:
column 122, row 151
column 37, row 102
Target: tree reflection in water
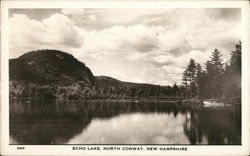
column 56, row 122
column 213, row 126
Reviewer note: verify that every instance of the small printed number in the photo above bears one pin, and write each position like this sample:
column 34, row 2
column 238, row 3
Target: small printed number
column 20, row 148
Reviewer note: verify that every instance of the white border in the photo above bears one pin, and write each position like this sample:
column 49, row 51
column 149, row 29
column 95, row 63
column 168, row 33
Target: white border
column 67, row 149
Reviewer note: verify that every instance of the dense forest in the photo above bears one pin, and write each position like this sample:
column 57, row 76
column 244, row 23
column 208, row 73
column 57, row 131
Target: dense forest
column 77, row 91
column 41, row 74
column 218, row 79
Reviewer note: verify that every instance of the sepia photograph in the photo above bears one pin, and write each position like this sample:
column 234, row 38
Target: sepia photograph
column 125, row 76
column 84, row 76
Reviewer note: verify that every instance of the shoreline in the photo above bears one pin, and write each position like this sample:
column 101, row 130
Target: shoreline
column 197, row 102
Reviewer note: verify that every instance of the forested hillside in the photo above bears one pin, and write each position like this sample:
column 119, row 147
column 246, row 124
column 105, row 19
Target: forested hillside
column 56, row 74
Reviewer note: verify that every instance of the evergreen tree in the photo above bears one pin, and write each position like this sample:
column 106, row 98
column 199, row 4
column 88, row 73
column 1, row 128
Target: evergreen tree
column 175, row 89
column 185, row 82
column 218, row 80
column 235, row 60
column 235, row 71
column 214, row 68
column 191, row 70
column 198, row 79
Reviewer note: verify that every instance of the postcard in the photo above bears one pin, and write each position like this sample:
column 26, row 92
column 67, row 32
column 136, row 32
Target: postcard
column 125, row 77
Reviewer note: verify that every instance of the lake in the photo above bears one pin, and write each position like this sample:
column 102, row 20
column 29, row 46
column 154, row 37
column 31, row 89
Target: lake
column 46, row 122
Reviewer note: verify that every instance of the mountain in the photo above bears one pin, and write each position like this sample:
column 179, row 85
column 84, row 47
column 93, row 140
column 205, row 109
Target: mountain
column 49, row 66
column 50, row 74
column 106, row 81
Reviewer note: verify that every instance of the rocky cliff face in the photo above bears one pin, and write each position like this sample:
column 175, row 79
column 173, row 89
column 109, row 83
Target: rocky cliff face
column 49, row 66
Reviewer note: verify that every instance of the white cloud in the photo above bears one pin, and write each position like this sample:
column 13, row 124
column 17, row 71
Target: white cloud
column 73, row 11
column 152, row 45
column 92, row 17
column 56, row 32
column 136, row 56
column 140, row 130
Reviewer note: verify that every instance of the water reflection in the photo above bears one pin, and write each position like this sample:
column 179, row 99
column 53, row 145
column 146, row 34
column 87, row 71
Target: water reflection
column 217, row 125
column 136, row 128
column 78, row 122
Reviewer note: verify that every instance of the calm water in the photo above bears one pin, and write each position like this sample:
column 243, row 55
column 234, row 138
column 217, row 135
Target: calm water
column 78, row 122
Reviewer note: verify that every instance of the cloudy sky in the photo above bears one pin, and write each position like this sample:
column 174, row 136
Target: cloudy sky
column 138, row 45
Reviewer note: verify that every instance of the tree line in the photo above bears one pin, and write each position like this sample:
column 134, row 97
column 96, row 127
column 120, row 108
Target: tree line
column 218, row 78
column 79, row 91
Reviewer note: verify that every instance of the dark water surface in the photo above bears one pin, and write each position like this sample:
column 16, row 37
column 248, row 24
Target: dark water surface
column 79, row 122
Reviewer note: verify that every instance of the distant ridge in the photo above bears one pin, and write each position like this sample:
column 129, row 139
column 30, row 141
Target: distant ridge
column 106, row 81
